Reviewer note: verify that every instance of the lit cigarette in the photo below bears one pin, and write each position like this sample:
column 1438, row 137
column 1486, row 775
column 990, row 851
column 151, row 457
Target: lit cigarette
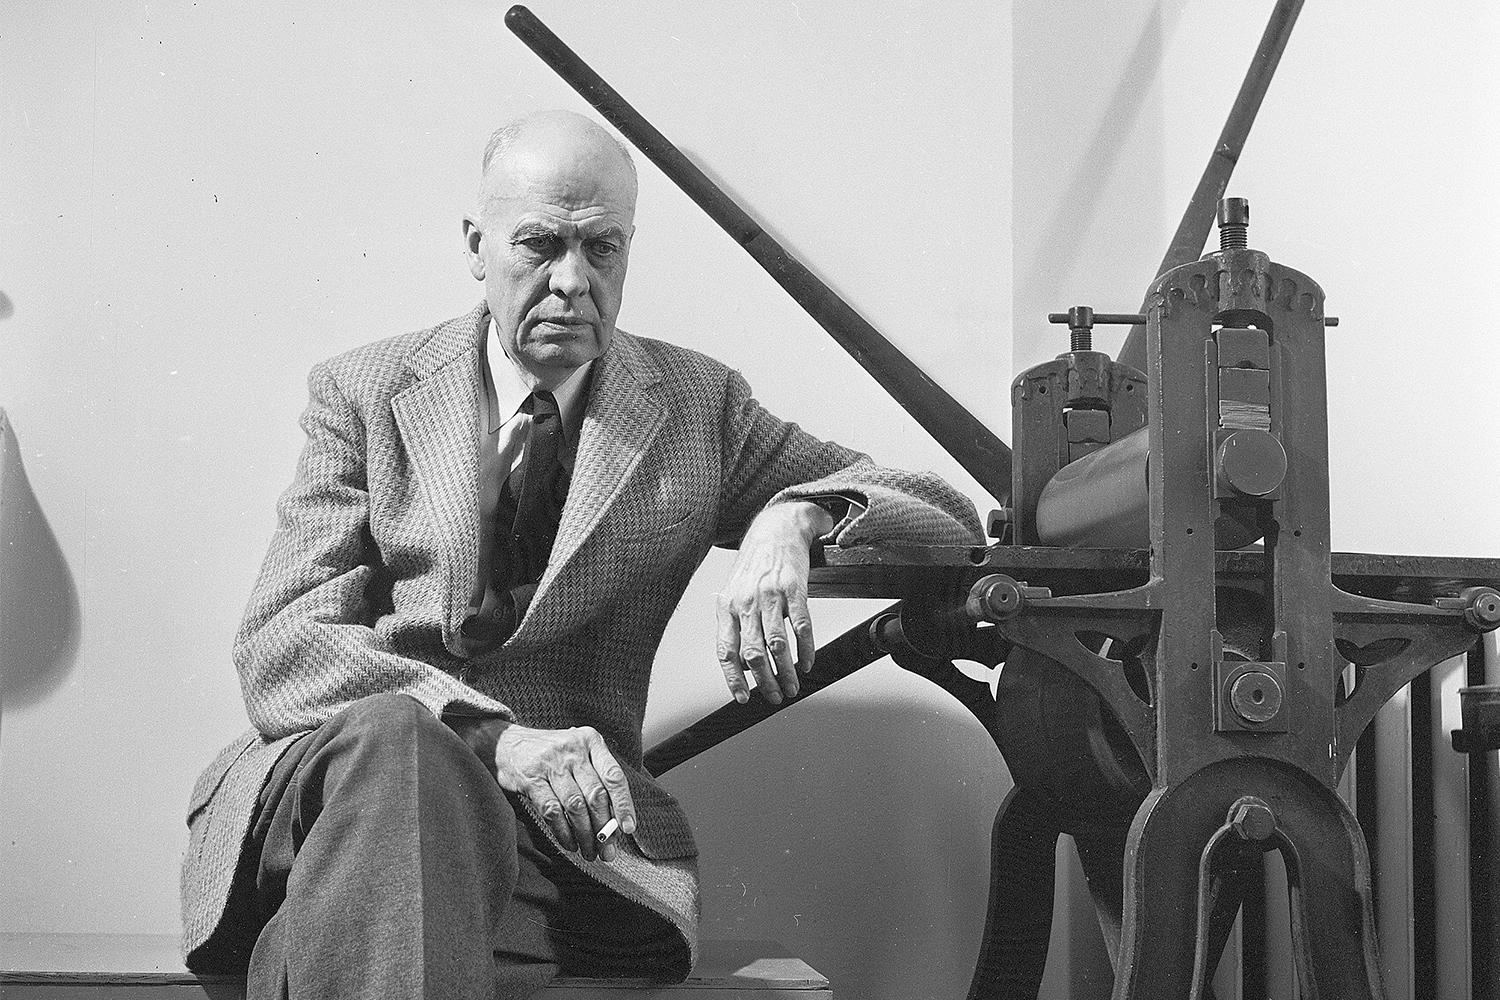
column 608, row 830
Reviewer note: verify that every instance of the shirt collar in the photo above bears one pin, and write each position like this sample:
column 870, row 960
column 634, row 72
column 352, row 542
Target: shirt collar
column 509, row 391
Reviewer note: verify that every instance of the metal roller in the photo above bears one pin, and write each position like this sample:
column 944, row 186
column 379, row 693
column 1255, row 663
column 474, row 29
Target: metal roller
column 1101, row 501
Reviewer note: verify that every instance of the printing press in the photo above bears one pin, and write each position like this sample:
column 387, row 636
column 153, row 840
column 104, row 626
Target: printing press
column 1187, row 664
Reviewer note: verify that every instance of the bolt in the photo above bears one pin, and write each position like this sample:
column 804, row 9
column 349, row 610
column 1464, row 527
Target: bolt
column 1081, row 328
column 995, row 598
column 1234, row 220
column 1482, row 610
column 1252, row 818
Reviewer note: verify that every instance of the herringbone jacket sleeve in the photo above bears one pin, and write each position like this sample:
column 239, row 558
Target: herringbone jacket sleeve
column 768, row 460
column 309, row 646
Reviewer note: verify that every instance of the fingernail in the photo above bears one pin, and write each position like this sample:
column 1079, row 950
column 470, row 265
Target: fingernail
column 774, row 697
column 741, row 697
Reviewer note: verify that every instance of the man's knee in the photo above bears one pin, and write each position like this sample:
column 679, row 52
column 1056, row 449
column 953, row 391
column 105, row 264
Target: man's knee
column 398, row 729
column 396, row 761
column 386, row 714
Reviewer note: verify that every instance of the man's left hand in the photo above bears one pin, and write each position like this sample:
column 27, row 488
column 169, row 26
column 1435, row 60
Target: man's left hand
column 767, row 587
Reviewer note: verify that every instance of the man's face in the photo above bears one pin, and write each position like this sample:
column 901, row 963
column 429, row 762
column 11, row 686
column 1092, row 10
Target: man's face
column 550, row 242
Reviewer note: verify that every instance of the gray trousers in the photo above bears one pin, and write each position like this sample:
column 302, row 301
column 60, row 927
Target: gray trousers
column 385, row 862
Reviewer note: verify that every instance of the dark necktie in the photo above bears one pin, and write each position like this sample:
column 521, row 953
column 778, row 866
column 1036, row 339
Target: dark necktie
column 530, row 509
column 542, row 490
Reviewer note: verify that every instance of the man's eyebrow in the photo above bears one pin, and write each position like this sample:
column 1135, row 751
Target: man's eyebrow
column 532, row 228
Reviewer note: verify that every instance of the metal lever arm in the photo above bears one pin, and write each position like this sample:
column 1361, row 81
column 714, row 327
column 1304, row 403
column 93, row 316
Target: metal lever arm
column 854, row 649
column 1192, row 232
column 960, row 433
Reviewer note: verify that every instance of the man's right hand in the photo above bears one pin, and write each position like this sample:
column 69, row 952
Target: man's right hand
column 572, row 780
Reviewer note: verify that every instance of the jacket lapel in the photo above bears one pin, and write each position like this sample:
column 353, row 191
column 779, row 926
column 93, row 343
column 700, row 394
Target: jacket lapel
column 619, row 425
column 438, row 416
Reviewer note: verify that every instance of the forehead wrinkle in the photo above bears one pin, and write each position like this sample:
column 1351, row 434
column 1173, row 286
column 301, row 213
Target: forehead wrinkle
column 561, row 227
column 559, row 206
column 590, row 215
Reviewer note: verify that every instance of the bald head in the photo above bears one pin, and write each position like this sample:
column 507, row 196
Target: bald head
column 550, row 239
column 555, row 139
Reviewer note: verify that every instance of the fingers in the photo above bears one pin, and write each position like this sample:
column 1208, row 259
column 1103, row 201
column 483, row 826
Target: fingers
column 574, row 783
column 729, row 652
column 754, row 655
column 778, row 646
column 615, row 789
column 549, row 805
column 580, row 826
column 595, row 811
column 754, row 639
column 802, row 629
column 767, row 586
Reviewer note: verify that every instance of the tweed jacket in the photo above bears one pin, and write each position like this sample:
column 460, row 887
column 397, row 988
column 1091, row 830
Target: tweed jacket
column 368, row 578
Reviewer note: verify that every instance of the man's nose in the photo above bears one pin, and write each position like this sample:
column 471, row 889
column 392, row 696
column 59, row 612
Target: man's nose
column 570, row 274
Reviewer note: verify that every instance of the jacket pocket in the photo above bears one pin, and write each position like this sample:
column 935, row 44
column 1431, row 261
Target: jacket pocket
column 213, row 776
column 669, row 524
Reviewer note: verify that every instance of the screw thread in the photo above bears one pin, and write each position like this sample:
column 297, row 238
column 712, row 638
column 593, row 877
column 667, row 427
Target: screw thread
column 1234, row 219
column 1080, row 339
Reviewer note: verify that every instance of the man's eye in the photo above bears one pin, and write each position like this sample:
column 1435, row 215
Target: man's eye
column 538, row 244
column 603, row 248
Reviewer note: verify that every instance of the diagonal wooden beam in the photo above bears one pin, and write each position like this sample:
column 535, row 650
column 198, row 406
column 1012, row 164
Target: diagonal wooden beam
column 1192, row 232
column 852, row 651
column 983, row 455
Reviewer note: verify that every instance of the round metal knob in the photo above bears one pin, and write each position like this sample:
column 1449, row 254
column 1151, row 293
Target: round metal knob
column 994, row 598
column 1252, row 461
column 1483, row 609
column 1255, row 696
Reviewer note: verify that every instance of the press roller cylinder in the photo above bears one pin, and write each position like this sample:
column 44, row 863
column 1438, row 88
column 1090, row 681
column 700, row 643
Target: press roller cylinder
column 1101, row 500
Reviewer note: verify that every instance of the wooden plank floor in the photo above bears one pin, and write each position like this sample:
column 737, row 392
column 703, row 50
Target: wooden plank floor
column 146, row 967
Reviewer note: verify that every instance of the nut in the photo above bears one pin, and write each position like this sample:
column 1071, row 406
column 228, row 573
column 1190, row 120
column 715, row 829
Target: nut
column 1252, row 818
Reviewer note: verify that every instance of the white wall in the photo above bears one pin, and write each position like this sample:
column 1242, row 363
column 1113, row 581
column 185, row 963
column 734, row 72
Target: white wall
column 203, row 199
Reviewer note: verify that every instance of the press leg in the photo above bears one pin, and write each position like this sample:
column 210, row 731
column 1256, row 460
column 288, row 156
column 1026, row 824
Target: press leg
column 1018, row 926
column 1233, row 866
column 1101, row 849
column 1333, row 915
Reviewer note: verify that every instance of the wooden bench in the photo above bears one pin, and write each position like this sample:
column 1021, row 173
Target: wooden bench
column 146, row 967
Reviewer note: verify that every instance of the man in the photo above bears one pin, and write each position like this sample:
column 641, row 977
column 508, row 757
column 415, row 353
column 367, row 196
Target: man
column 447, row 652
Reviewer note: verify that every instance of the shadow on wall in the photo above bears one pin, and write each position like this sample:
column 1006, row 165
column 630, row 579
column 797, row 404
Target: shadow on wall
column 857, row 834
column 38, row 599
column 1057, row 248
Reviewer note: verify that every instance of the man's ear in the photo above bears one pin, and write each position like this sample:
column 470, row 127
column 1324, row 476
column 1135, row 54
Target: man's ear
column 473, row 241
